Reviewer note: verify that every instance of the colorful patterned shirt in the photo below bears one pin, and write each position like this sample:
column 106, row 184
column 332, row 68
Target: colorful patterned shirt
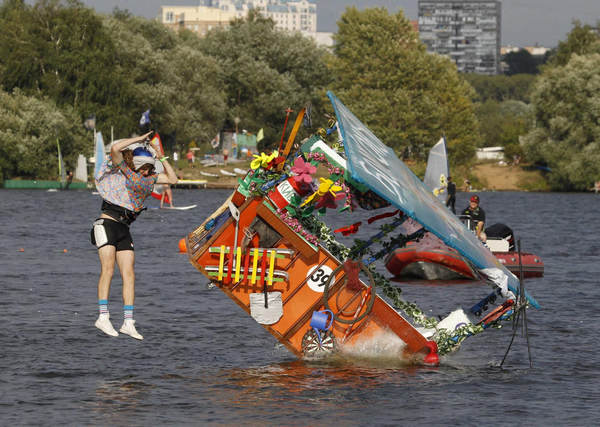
column 121, row 186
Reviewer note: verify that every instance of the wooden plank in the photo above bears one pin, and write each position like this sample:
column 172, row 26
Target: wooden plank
column 292, row 293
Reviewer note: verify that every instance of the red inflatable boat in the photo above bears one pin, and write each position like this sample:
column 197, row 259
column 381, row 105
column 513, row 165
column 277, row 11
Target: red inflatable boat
column 439, row 262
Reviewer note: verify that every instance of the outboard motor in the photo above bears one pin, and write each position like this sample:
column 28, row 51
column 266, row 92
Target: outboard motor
column 500, row 231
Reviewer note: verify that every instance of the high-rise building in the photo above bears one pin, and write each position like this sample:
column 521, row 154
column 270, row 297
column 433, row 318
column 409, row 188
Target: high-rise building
column 467, row 31
column 291, row 15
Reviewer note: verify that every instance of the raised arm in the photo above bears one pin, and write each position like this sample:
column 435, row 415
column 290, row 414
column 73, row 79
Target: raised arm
column 115, row 150
column 168, row 176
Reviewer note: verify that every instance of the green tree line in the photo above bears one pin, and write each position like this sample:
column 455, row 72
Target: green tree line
column 564, row 135
column 61, row 62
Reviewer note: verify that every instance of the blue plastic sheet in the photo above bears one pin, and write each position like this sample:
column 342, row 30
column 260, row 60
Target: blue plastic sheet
column 375, row 165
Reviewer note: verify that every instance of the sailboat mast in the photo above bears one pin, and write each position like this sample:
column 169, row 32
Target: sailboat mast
column 61, row 166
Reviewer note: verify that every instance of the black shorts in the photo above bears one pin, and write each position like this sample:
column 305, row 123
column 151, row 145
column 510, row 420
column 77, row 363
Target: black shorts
column 108, row 232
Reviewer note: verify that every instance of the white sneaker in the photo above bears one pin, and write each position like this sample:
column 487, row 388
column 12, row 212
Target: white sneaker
column 103, row 323
column 129, row 329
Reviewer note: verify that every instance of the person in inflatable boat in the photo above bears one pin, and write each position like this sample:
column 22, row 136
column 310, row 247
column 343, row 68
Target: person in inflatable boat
column 124, row 182
column 476, row 214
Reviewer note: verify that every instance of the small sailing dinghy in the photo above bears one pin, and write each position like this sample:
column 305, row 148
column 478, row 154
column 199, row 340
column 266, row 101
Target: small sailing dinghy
column 268, row 251
column 81, row 173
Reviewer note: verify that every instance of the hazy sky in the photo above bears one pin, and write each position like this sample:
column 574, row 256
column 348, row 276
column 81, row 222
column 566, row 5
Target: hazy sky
column 524, row 22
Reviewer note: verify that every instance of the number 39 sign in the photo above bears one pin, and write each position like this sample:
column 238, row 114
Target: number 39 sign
column 317, row 277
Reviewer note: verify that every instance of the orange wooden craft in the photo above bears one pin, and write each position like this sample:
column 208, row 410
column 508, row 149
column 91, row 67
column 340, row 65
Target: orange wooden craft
column 297, row 273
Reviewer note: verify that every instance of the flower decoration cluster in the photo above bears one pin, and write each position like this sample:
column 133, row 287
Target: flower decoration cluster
column 297, row 226
column 303, row 171
column 266, row 161
column 336, row 174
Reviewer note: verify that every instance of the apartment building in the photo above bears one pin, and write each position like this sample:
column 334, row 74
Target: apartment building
column 291, row 15
column 466, row 31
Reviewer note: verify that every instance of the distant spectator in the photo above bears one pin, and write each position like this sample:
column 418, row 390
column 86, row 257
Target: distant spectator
column 468, row 187
column 69, row 179
column 451, row 197
column 190, row 158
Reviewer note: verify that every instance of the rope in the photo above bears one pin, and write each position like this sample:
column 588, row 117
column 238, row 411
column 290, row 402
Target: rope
column 369, row 305
column 522, row 307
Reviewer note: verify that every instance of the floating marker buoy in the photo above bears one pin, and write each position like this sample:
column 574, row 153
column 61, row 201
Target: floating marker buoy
column 182, row 246
column 21, row 250
column 65, row 251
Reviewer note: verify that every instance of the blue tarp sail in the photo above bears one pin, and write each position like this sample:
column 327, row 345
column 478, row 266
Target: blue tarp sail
column 374, row 164
column 100, row 153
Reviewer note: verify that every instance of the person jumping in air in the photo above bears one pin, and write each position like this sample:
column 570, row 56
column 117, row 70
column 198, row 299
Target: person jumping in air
column 124, row 181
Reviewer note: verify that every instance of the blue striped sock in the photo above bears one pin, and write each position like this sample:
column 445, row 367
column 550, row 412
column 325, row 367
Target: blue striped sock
column 103, row 306
column 128, row 312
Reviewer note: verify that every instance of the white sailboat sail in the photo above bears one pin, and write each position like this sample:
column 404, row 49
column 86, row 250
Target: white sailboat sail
column 436, row 174
column 81, row 169
column 100, row 152
column 61, row 167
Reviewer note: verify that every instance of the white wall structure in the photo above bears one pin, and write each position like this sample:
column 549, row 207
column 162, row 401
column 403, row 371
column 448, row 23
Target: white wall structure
column 490, row 153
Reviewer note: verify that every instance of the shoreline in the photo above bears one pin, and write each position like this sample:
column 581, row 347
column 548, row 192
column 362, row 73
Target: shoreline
column 486, row 176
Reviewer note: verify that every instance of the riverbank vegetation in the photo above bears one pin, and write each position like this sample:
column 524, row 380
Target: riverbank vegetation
column 63, row 63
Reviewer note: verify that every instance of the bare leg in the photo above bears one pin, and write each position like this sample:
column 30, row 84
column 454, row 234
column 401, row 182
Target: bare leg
column 126, row 260
column 107, row 264
column 170, row 195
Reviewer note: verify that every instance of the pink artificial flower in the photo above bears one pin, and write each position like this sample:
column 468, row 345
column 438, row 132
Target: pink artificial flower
column 303, row 171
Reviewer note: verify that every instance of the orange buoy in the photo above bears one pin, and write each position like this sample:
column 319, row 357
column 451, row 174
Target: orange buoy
column 21, row 250
column 65, row 251
column 182, row 246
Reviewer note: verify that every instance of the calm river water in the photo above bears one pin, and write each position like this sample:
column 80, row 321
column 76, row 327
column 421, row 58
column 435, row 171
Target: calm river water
column 204, row 361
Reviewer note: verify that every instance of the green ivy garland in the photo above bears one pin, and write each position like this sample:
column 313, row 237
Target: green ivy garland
column 447, row 341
